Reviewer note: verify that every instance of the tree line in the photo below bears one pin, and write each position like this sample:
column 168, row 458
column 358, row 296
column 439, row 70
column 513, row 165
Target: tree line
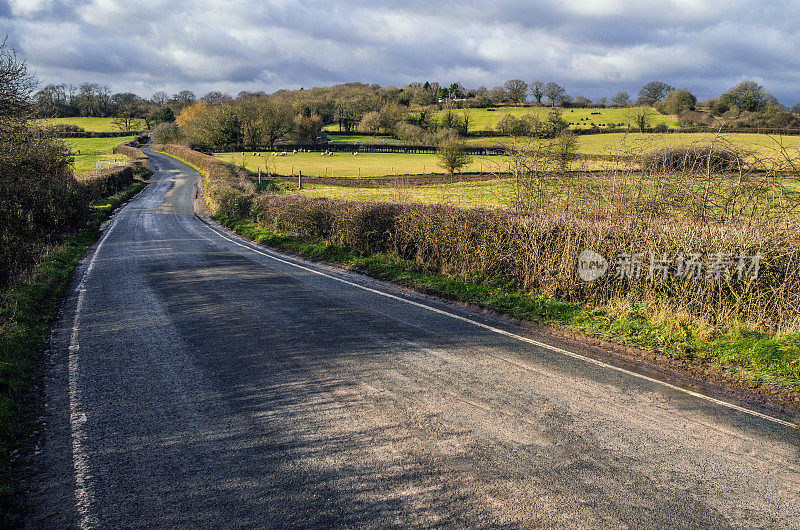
column 372, row 107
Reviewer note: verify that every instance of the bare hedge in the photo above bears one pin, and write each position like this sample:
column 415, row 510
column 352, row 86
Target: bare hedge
column 537, row 251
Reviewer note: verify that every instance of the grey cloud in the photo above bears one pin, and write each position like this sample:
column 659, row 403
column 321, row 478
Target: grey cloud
column 594, row 49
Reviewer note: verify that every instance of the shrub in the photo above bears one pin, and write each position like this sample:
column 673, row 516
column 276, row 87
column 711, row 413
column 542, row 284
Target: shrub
column 538, row 253
column 39, row 198
column 714, row 158
column 166, row 133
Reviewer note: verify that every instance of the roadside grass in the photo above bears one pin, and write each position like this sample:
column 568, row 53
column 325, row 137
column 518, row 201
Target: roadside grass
column 26, row 310
column 91, row 124
column 347, row 165
column 755, row 356
column 87, row 151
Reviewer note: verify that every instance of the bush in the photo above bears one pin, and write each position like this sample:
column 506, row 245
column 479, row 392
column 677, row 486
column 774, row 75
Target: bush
column 693, row 159
column 537, row 250
column 166, row 133
column 134, row 154
column 538, row 253
column 66, row 128
column 39, row 198
column 411, row 134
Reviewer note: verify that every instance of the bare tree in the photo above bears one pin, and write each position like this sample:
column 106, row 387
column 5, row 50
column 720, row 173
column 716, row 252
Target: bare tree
column 453, row 154
column 622, row 99
column 640, row 117
column 160, row 98
column 277, row 119
column 653, row 91
column 16, row 85
column 537, row 91
column 554, row 92
column 517, row 90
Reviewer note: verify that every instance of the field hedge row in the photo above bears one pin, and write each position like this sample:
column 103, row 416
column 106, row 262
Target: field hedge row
column 95, row 134
column 134, row 154
column 537, row 252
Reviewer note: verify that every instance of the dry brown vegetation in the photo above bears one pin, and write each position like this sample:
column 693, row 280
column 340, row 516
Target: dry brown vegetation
column 667, row 210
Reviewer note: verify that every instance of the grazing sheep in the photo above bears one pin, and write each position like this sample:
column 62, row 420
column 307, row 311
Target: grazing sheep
column 283, row 153
column 294, row 152
column 355, row 153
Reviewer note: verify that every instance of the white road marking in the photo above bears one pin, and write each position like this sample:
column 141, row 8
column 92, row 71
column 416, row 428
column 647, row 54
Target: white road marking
column 508, row 333
column 84, row 496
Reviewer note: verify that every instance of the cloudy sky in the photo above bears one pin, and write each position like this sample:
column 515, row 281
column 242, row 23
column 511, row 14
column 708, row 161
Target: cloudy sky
column 592, row 47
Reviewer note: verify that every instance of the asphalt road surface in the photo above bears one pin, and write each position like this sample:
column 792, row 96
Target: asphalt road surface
column 199, row 380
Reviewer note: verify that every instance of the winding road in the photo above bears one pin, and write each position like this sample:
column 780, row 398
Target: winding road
column 198, row 380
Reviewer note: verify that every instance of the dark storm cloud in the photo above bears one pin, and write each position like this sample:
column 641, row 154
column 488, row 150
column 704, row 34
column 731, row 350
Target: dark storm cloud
column 592, row 48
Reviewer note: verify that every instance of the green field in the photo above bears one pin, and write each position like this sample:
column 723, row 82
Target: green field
column 581, row 118
column 349, row 139
column 488, row 193
column 347, row 165
column 92, row 124
column 634, row 143
column 599, row 145
column 87, row 151
column 487, row 120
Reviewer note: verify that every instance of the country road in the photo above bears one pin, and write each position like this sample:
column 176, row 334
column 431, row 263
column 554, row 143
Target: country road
column 198, row 380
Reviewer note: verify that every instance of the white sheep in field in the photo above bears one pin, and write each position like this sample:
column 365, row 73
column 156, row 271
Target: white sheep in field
column 283, row 153
column 274, row 153
column 355, row 153
column 294, row 152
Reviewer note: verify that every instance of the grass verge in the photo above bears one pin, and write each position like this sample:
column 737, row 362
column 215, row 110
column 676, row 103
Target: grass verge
column 756, row 357
column 26, row 310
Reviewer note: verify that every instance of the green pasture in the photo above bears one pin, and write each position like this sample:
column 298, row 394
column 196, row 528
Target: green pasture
column 581, row 118
column 87, row 151
column 349, row 165
column 598, row 145
column 637, row 143
column 488, row 193
column 92, row 124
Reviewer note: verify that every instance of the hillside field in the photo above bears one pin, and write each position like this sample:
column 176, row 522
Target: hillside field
column 87, row 151
column 92, row 124
column 578, row 118
column 581, row 118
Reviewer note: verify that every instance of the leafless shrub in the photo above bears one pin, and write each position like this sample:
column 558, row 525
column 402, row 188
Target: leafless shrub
column 535, row 246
